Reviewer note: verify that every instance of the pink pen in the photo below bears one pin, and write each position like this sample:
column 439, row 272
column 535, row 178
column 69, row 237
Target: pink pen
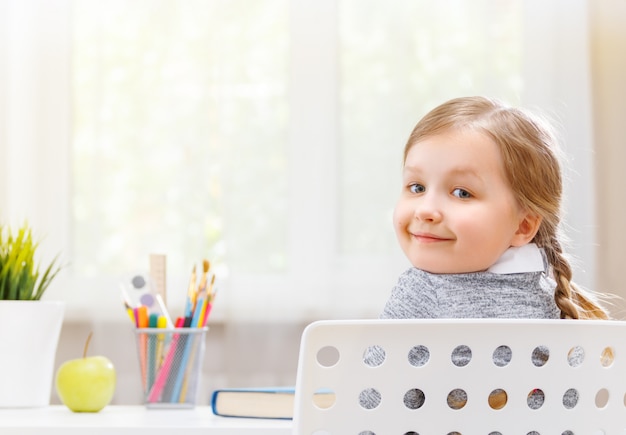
column 161, row 379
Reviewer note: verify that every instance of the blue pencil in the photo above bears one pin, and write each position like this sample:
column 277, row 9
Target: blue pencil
column 182, row 368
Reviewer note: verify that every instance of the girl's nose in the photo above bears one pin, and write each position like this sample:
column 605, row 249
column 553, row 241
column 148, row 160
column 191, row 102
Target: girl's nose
column 427, row 210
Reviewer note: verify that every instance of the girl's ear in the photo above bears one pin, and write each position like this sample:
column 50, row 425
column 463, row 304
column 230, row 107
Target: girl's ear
column 528, row 227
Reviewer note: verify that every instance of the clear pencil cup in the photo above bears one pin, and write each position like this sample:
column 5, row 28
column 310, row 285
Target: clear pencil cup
column 171, row 365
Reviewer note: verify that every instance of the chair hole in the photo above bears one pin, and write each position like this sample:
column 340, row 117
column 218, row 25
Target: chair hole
column 324, row 398
column 602, row 398
column 370, row 398
column 419, row 356
column 497, row 399
column 454, row 433
column 457, row 399
column 607, row 357
column 461, row 355
column 575, row 356
column 540, row 356
column 367, row 432
column 535, row 398
column 533, row 432
column 502, row 355
column 568, row 432
column 374, row 356
column 495, row 433
column 414, row 398
column 411, row 433
column 327, row 356
column 570, row 398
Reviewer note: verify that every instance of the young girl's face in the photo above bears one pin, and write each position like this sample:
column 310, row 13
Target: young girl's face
column 457, row 213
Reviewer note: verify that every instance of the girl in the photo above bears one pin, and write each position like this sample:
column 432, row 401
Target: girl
column 478, row 218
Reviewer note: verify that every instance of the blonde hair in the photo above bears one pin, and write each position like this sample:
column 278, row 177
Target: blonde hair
column 529, row 152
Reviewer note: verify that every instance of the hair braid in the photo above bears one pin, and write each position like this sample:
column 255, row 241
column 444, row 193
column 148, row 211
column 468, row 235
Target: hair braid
column 573, row 301
column 563, row 276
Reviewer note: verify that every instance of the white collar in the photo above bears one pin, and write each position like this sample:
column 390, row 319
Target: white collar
column 526, row 258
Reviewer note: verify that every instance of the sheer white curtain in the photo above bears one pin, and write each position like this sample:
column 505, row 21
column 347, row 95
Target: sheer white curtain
column 267, row 138
column 35, row 119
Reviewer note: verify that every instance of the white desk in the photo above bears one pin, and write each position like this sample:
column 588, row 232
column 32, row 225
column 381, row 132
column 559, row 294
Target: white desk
column 133, row 420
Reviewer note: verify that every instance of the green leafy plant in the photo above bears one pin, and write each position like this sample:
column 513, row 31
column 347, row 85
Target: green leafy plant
column 19, row 274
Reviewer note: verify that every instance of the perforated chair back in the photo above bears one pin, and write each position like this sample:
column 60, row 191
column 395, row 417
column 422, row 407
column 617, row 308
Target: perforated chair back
column 488, row 377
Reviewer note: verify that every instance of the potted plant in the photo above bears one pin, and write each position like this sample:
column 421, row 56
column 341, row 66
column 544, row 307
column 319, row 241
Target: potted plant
column 29, row 326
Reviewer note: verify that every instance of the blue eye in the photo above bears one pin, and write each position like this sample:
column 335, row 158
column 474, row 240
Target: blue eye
column 461, row 193
column 417, row 188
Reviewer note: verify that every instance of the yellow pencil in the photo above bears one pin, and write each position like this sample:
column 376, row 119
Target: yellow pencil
column 161, row 324
column 131, row 315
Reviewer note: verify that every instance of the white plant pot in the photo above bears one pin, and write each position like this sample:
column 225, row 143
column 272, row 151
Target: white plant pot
column 29, row 333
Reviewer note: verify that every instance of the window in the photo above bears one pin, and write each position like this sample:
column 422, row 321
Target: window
column 265, row 136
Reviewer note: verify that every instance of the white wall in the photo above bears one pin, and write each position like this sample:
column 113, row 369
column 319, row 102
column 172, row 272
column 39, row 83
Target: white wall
column 608, row 54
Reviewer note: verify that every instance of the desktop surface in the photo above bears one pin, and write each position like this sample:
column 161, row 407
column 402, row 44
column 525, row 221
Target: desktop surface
column 135, row 420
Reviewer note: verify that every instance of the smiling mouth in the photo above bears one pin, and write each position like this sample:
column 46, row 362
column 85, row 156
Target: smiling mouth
column 429, row 238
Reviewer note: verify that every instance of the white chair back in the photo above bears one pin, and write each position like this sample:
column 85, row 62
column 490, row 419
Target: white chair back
column 442, row 377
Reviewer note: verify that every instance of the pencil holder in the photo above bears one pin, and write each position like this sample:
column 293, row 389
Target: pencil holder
column 171, row 365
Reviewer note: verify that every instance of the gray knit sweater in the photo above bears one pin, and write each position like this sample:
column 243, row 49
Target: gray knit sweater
column 423, row 295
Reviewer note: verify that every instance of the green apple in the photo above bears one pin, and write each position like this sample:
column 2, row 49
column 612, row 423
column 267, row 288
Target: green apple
column 86, row 384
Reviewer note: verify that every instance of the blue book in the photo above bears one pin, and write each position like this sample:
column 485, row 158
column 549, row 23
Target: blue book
column 271, row 402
